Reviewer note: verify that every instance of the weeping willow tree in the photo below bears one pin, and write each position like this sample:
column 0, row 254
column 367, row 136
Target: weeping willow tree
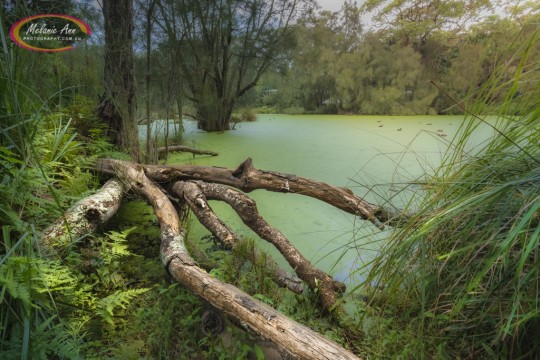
column 226, row 47
column 463, row 273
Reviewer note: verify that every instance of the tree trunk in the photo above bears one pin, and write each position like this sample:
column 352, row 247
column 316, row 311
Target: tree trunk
column 213, row 112
column 149, row 147
column 117, row 106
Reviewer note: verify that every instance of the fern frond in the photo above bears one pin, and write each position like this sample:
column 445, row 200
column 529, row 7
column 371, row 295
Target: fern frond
column 108, row 305
column 115, row 245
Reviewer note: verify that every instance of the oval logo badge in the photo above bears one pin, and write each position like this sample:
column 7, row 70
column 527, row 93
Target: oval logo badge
column 49, row 32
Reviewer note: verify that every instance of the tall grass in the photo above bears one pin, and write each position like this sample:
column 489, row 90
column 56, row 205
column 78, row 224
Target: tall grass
column 29, row 324
column 461, row 277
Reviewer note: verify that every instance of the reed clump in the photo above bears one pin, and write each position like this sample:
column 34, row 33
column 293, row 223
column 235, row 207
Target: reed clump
column 462, row 274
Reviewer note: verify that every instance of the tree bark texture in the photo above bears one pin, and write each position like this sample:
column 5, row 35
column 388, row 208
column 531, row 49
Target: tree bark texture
column 117, row 106
column 246, row 208
column 192, row 194
column 84, row 217
column 247, row 178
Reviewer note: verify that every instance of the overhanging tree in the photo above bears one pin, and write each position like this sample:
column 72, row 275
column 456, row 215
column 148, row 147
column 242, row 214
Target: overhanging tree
column 227, row 46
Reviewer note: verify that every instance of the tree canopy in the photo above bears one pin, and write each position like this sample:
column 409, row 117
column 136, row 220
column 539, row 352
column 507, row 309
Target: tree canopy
column 225, row 47
column 389, row 67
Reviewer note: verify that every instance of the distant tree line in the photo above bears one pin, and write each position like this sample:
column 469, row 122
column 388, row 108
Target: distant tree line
column 208, row 59
column 338, row 67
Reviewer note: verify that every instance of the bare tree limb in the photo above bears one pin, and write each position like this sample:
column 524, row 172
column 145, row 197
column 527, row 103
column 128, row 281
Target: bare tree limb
column 246, row 208
column 296, row 340
column 196, row 200
column 247, row 178
column 182, row 148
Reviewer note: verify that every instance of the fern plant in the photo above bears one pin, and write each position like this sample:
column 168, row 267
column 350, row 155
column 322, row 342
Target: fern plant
column 119, row 299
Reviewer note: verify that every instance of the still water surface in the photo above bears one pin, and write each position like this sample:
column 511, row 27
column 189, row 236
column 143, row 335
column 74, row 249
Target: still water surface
column 374, row 156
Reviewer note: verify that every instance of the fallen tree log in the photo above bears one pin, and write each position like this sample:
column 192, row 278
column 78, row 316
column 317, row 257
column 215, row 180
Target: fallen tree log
column 294, row 339
column 182, row 148
column 83, row 217
column 247, row 178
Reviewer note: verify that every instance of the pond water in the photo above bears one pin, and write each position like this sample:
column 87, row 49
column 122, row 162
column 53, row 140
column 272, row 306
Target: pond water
column 377, row 157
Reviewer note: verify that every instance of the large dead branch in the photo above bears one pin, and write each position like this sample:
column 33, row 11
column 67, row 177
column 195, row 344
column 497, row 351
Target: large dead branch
column 247, row 178
column 246, row 208
column 196, row 200
column 293, row 338
column 84, row 217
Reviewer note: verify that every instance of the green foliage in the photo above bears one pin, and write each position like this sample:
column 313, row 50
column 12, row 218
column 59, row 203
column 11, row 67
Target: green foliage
column 244, row 115
column 462, row 274
column 249, row 272
column 227, row 63
column 417, row 20
column 108, row 305
column 62, row 299
column 384, row 79
column 335, row 68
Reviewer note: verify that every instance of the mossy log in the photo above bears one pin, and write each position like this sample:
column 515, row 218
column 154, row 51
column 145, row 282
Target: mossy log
column 84, row 217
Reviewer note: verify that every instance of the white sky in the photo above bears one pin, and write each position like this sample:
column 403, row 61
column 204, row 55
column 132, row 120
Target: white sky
column 332, row 5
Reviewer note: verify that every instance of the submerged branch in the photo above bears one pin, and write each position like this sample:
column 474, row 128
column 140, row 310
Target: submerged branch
column 182, row 148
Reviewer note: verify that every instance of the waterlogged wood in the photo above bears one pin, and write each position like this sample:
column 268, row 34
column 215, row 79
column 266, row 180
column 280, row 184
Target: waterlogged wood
column 247, row 178
column 191, row 193
column 246, row 208
column 84, row 217
column 182, row 148
column 294, row 339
